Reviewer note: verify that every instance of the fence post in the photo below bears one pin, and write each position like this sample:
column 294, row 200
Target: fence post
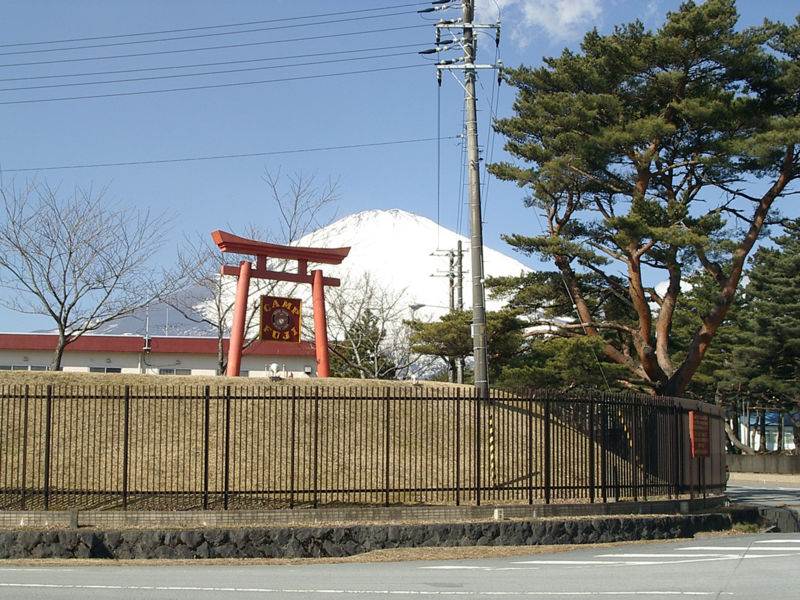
column 547, row 450
column 603, row 450
column 316, row 444
column 478, row 397
column 292, row 445
column 387, row 447
column 125, row 444
column 592, row 482
column 458, row 446
column 24, row 448
column 635, row 420
column 47, row 432
column 531, row 399
column 677, row 451
column 206, row 441
column 227, row 445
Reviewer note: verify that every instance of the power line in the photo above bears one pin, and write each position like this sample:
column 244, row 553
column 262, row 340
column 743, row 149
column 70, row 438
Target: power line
column 197, row 36
column 223, row 156
column 206, row 87
column 208, row 27
column 206, row 48
column 208, row 64
column 202, row 74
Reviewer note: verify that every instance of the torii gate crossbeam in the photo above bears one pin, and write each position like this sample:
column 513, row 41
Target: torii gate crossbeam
column 228, row 242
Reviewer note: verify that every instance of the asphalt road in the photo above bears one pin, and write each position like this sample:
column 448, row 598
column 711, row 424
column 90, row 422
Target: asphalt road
column 737, row 566
column 764, row 493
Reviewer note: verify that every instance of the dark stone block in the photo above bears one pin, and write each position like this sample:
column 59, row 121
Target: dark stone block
column 294, row 549
column 49, row 537
column 171, row 538
column 203, row 551
column 164, row 552
column 239, row 537
column 112, row 539
column 394, row 534
column 191, row 538
column 331, row 549
column 282, row 536
column 40, row 551
column 28, row 540
column 271, row 550
column 81, row 550
column 226, row 550
column 259, row 537
column 183, row 551
column 216, row 537
column 8, row 540
column 351, row 548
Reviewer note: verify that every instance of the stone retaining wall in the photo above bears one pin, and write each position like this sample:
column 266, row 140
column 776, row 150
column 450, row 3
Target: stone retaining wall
column 764, row 463
column 337, row 541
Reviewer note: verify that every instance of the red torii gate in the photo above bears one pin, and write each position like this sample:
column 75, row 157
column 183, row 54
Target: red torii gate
column 228, row 242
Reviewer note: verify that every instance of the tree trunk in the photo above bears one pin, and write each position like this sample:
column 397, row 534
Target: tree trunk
column 58, row 355
column 762, row 430
column 735, row 442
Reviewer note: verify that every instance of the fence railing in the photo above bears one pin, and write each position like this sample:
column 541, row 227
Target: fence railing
column 216, row 448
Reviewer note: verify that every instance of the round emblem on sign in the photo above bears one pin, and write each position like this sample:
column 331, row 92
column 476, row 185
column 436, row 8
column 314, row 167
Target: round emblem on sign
column 281, row 319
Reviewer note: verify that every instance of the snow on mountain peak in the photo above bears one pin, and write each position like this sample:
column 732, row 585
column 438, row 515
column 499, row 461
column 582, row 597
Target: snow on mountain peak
column 406, row 253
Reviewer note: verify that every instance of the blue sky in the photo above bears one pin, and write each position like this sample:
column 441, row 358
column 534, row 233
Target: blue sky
column 359, row 105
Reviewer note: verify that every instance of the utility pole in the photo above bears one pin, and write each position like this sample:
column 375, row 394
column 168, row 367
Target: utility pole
column 468, row 43
column 455, row 277
column 459, row 267
column 475, row 221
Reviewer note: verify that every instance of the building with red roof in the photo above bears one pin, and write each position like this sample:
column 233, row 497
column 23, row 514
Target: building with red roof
column 153, row 355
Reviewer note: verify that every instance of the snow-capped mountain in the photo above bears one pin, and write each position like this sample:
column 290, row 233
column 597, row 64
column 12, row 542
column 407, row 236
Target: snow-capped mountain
column 403, row 254
column 406, row 253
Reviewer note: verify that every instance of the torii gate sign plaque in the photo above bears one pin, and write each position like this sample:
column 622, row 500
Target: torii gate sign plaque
column 228, row 242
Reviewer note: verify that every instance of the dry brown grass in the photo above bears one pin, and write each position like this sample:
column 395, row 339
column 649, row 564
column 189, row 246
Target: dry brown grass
column 236, row 383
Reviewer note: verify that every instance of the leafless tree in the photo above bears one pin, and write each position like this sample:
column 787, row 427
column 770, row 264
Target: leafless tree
column 77, row 258
column 370, row 338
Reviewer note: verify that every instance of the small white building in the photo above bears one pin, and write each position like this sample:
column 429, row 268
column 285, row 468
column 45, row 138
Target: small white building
column 154, row 355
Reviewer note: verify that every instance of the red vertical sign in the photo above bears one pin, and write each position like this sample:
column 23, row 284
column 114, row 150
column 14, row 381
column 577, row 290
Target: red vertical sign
column 699, row 433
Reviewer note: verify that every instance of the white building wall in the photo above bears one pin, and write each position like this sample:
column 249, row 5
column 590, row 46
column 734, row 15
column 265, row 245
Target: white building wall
column 139, row 362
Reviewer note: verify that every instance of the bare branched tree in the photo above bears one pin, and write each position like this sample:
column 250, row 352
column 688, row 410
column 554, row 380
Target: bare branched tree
column 370, row 335
column 77, row 258
column 299, row 204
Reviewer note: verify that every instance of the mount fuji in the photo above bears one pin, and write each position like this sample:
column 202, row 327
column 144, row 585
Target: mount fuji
column 408, row 255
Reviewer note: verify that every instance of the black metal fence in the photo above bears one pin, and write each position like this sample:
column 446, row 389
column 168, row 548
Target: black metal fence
column 211, row 448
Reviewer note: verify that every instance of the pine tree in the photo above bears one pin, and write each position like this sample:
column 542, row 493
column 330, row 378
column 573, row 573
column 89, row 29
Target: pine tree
column 764, row 362
column 636, row 150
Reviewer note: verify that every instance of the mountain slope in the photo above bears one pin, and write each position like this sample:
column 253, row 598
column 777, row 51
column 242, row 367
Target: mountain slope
column 408, row 254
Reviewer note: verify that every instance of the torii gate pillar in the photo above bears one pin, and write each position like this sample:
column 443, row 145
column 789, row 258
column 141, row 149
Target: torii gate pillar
column 228, row 242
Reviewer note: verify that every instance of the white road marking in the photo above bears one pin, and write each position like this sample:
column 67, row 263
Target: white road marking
column 643, row 559
column 462, row 593
column 741, row 548
column 476, row 568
